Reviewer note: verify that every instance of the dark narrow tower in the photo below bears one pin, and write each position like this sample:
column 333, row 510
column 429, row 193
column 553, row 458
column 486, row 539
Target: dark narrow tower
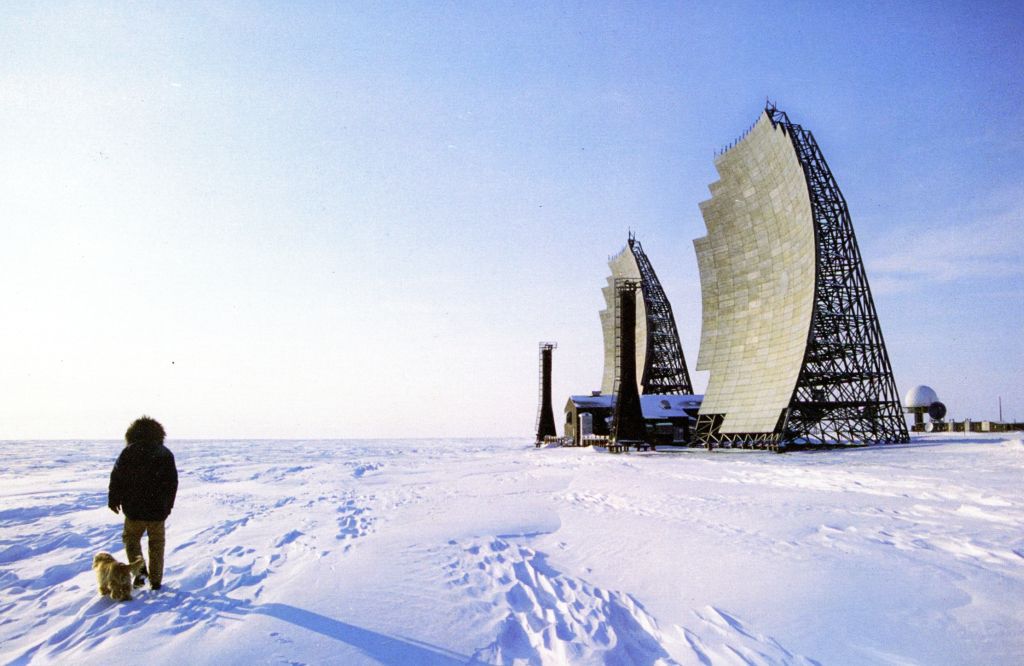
column 545, row 415
column 628, row 420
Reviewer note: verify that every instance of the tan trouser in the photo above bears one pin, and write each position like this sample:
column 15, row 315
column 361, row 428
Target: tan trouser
column 132, row 537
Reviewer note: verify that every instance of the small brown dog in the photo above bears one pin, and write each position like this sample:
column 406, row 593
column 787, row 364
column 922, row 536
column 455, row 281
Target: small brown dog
column 115, row 578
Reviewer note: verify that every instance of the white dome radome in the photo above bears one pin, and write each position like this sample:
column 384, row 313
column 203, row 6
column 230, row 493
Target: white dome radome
column 920, row 396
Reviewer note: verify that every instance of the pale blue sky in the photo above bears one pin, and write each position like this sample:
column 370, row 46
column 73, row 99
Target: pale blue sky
column 357, row 220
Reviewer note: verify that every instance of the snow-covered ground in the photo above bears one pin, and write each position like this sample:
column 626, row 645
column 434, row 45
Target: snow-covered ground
column 421, row 551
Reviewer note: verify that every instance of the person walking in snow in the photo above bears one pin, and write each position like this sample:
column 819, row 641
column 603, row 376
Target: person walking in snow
column 143, row 484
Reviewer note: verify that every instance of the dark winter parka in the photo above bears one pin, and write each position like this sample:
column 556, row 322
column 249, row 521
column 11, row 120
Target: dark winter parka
column 144, row 481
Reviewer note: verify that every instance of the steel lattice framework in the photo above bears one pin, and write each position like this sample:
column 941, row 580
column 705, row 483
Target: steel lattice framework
column 845, row 393
column 665, row 368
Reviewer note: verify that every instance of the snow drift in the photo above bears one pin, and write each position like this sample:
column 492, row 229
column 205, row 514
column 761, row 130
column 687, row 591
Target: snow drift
column 489, row 551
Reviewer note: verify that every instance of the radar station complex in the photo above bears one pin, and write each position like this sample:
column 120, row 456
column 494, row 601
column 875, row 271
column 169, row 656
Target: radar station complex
column 790, row 337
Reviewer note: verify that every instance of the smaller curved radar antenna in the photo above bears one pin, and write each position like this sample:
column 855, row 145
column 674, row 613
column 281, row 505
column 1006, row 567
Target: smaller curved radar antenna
column 937, row 411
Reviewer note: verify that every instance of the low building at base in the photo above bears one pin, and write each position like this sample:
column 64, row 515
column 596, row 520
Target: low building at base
column 668, row 419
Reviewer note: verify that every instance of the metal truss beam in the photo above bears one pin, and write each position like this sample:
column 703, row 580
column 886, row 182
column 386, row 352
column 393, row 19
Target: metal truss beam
column 665, row 369
column 845, row 393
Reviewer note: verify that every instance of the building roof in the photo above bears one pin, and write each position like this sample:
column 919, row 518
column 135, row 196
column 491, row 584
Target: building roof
column 653, row 406
column 670, row 406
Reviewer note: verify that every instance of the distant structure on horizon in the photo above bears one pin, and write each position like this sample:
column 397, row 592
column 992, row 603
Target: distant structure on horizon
column 545, row 414
column 790, row 335
column 660, row 364
column 922, row 400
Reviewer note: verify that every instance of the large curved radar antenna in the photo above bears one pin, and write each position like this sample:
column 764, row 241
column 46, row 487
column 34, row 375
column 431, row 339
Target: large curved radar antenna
column 790, row 333
column 660, row 365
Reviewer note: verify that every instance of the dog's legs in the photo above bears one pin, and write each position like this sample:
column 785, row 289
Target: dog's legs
column 122, row 592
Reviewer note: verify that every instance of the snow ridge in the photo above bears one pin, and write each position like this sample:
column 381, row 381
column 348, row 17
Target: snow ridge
column 548, row 617
column 721, row 638
column 552, row 618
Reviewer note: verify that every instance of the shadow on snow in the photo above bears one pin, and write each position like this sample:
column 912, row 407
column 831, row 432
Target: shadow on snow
column 102, row 618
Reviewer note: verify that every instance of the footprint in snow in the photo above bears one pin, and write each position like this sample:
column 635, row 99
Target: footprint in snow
column 550, row 617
